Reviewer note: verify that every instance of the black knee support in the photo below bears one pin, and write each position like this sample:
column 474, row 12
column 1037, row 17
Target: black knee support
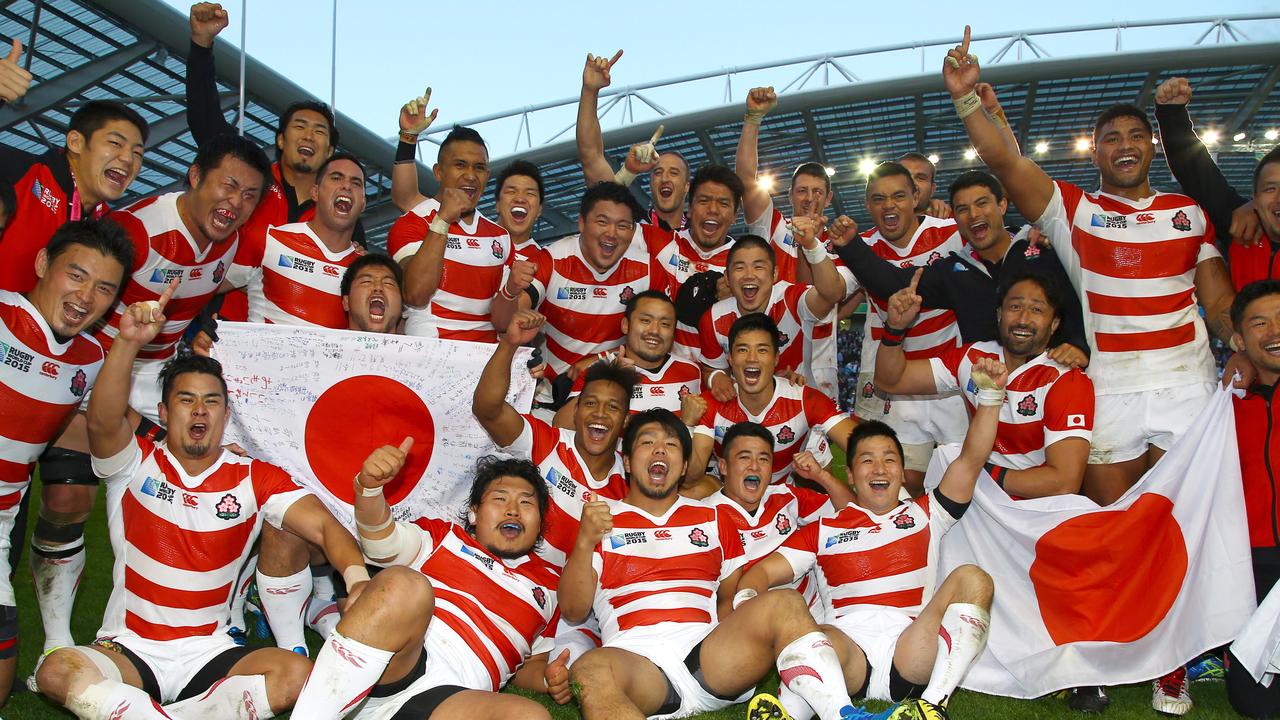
column 68, row 467
column 8, row 631
column 67, row 536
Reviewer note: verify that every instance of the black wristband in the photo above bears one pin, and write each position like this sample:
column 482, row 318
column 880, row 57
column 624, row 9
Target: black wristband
column 406, row 152
column 890, row 330
column 996, row 472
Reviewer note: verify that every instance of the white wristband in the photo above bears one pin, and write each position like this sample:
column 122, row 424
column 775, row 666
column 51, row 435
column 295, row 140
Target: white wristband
column 364, row 491
column 375, row 528
column 624, row 176
column 967, row 104
column 742, row 596
column 990, row 396
column 439, row 226
column 815, row 254
column 355, row 575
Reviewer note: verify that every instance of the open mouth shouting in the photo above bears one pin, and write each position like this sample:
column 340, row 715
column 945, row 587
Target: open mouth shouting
column 116, row 178
column 710, row 228
column 73, row 314
column 750, row 293
column 472, row 192
column 979, row 230
column 666, row 190
column 306, row 151
column 198, row 431
column 658, row 472
column 511, row 529
column 1272, row 348
column 879, row 486
column 891, row 222
column 752, row 483
column 1125, row 162
column 519, row 214
column 342, row 204
column 377, row 308
column 1022, row 332
column 223, row 219
column 597, row 432
column 752, row 375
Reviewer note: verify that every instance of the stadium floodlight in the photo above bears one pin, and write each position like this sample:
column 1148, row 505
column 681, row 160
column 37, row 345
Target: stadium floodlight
column 933, row 158
column 970, row 154
column 1271, row 135
column 866, row 166
column 1238, row 136
column 765, row 182
column 1083, row 144
column 1210, row 137
column 1042, row 147
column 830, row 171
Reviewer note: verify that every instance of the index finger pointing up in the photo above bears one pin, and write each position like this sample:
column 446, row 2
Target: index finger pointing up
column 615, row 57
column 964, row 46
column 657, row 134
column 915, row 280
column 169, row 290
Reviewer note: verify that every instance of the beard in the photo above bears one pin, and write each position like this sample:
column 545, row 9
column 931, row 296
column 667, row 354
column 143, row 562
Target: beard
column 196, row 450
column 658, row 493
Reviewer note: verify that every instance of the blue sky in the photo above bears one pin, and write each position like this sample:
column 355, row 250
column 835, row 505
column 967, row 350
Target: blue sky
column 485, row 56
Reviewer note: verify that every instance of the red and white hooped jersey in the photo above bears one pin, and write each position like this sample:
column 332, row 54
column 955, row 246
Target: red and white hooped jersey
column 492, row 606
column 772, row 226
column 526, row 250
column 663, row 387
column 164, row 250
column 789, row 310
column 783, row 510
column 658, row 570
column 180, row 541
column 934, row 330
column 42, row 381
column 1044, row 402
column 790, row 416
column 476, row 256
column 1133, row 264
column 861, row 558
column 584, row 308
column 571, row 484
column 682, row 258
column 291, row 277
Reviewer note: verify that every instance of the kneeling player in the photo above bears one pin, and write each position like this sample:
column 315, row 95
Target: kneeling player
column 457, row 609
column 183, row 516
column 895, row 634
column 651, row 567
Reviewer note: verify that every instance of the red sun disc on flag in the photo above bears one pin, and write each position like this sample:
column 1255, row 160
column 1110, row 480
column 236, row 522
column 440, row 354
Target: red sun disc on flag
column 1110, row 576
column 358, row 415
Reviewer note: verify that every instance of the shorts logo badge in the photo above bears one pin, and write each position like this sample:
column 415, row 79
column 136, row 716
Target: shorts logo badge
column 1181, row 221
column 904, row 522
column 228, row 508
column 868, row 390
column 699, row 538
column 79, row 383
column 1027, row 406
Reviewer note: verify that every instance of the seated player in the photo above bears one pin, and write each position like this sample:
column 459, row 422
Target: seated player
column 665, row 380
column 371, row 294
column 800, row 311
column 457, row 608
column 183, row 517
column 1042, row 442
column 49, row 365
column 766, row 514
column 651, row 566
column 896, row 635
column 791, row 412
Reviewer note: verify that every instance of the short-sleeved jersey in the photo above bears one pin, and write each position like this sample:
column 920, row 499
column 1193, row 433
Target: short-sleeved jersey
column 584, row 308
column 526, row 250
column 164, row 250
column 475, row 257
column 788, row 309
column 494, row 607
column 1044, row 402
column 571, row 484
column 790, row 416
column 861, row 558
column 180, row 540
column 783, row 510
column 655, row 572
column 1133, row 264
column 291, row 277
column 663, row 387
column 683, row 258
column 42, row 381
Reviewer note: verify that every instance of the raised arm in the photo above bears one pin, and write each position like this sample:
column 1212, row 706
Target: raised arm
column 14, row 79
column 828, row 286
column 962, row 474
column 423, row 269
column 489, row 402
column 204, row 109
column 894, row 373
column 806, row 466
column 755, row 199
column 108, row 414
column 414, row 120
column 579, row 579
column 595, row 77
column 381, row 538
column 1028, row 186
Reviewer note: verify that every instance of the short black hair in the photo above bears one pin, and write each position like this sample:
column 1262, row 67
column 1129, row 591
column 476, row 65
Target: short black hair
column 314, row 106
column 747, row 242
column 103, row 235
column 634, row 302
column 744, row 429
column 90, row 117
column 919, row 157
column 865, row 430
column 489, row 469
column 755, row 321
column 612, row 372
column 367, row 260
column 184, row 363
column 608, row 190
column 663, row 417
column 1049, row 285
column 889, row 169
column 335, row 158
column 719, row 174
column 1272, row 156
column 1249, row 293
column 522, row 168
column 462, row 133
column 211, row 154
column 1120, row 110
column 812, row 169
column 974, row 178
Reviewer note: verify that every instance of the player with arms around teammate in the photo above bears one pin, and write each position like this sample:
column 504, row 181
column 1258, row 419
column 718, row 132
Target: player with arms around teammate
column 897, row 635
column 183, row 516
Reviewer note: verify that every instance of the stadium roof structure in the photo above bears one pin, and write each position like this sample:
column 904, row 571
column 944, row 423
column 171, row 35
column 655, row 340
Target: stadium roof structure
column 848, row 124
column 134, row 51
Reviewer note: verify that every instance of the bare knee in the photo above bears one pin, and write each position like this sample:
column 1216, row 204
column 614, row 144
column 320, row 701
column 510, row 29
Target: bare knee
column 974, row 585
column 281, row 553
column 402, row 591
column 59, row 671
column 788, row 605
column 285, row 680
column 525, row 710
column 590, row 670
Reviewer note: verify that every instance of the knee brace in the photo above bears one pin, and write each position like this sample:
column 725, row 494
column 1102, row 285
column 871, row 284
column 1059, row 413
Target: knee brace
column 8, row 631
column 71, row 467
column 55, row 540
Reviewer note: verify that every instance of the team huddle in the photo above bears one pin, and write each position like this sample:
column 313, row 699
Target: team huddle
column 668, row 524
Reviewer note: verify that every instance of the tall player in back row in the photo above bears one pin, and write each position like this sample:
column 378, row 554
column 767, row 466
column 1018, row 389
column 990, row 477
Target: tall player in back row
column 1140, row 260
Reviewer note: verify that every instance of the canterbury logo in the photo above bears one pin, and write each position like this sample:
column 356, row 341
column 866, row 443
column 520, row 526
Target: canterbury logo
column 346, row 654
column 284, row 590
column 119, row 712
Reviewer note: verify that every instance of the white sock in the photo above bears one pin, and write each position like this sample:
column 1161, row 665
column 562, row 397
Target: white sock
column 961, row 637
column 284, row 599
column 237, row 696
column 322, row 615
column 112, row 699
column 242, row 592
column 322, row 582
column 56, row 570
column 345, row 671
column 795, row 705
column 810, row 668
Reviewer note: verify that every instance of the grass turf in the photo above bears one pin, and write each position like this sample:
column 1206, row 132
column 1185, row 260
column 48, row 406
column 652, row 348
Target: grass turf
column 1128, row 702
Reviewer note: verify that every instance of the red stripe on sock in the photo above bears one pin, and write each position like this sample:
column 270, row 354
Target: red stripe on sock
column 946, row 637
column 797, row 671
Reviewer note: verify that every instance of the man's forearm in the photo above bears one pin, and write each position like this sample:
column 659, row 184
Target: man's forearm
column 495, row 380
column 405, row 193
column 422, row 272
column 1041, row 481
column 577, row 587
column 1194, row 169
column 891, row 365
column 204, row 109
column 109, row 404
column 595, row 167
column 827, row 281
